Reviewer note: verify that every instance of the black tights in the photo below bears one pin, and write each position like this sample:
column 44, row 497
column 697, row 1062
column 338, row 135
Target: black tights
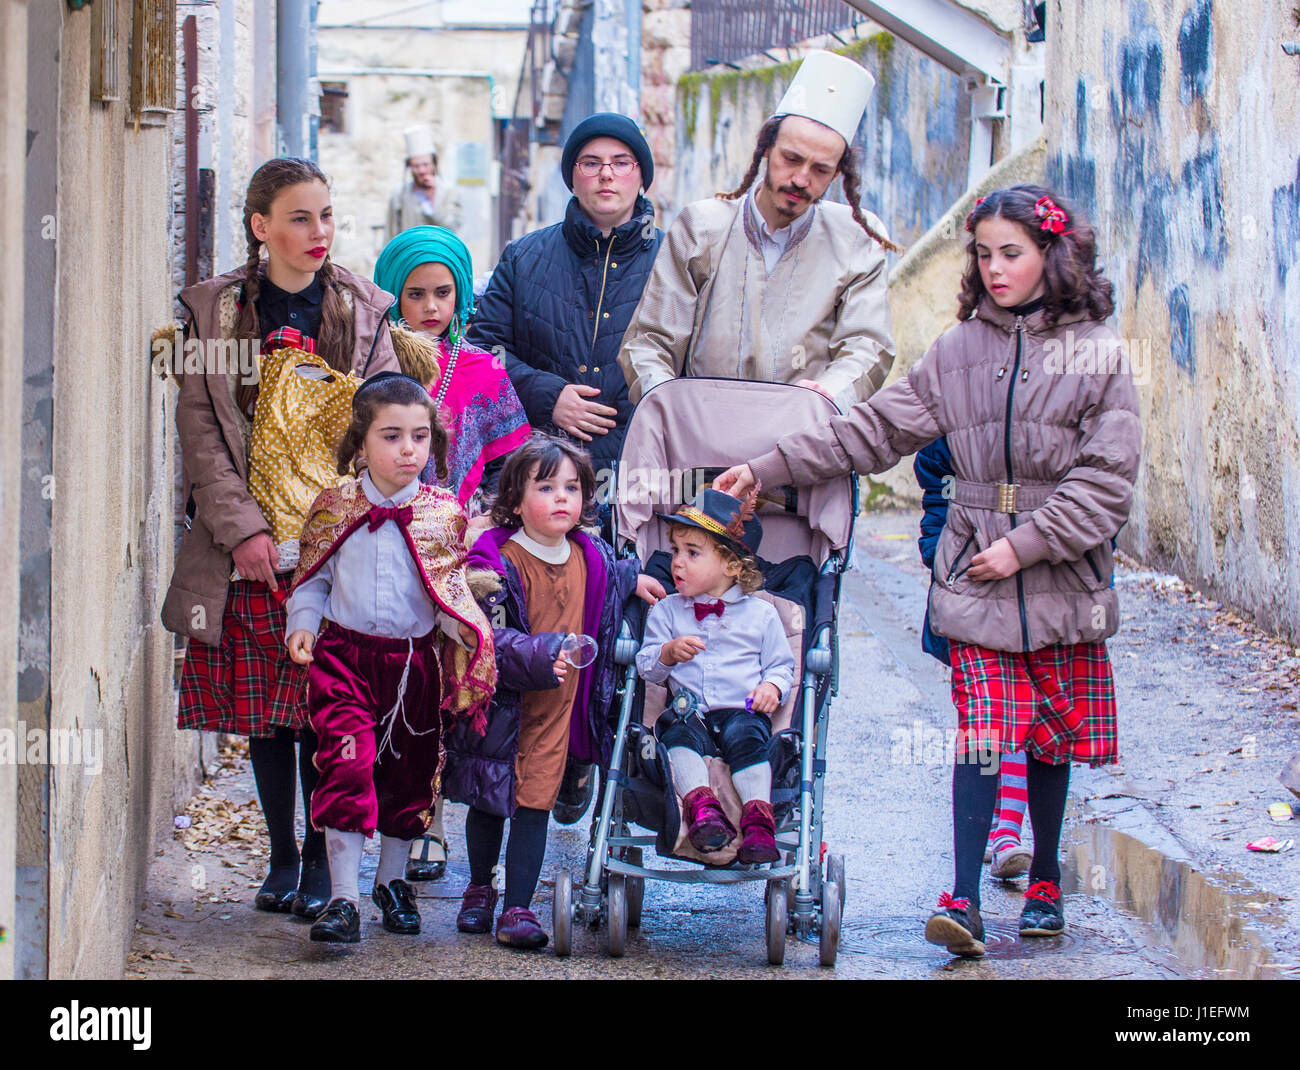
column 974, row 793
column 524, row 851
column 273, row 770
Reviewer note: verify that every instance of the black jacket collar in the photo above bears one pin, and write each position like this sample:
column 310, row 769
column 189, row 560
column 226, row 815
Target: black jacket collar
column 585, row 239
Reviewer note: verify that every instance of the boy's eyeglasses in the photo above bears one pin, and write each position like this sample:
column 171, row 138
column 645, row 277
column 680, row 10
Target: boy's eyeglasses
column 590, row 167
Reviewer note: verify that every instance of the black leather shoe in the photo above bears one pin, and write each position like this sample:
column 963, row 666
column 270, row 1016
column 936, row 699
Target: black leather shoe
column 273, row 900
column 398, row 904
column 313, row 891
column 576, row 790
column 339, row 924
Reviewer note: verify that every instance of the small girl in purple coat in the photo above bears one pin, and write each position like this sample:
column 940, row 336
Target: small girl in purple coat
column 553, row 580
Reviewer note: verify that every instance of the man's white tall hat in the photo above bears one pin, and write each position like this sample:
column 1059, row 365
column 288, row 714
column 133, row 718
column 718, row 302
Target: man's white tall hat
column 419, row 141
column 831, row 89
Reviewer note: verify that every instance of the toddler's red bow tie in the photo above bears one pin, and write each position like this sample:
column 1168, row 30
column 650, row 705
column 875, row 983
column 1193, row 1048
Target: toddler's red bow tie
column 703, row 609
column 379, row 513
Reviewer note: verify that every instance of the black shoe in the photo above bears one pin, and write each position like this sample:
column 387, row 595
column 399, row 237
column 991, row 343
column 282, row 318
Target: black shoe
column 576, row 790
column 277, row 891
column 425, row 868
column 957, row 925
column 313, row 890
column 339, row 924
column 1043, row 914
column 398, row 904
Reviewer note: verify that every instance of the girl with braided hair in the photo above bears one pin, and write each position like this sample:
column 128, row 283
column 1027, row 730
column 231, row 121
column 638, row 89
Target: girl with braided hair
column 229, row 579
column 770, row 281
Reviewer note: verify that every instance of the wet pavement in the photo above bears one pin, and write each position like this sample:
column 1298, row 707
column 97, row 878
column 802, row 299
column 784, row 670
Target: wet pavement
column 1154, row 890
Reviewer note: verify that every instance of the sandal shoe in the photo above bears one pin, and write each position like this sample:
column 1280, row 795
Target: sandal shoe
column 396, row 900
column 419, row 866
column 476, row 909
column 759, row 827
column 519, row 928
column 957, row 925
column 339, row 924
column 707, row 824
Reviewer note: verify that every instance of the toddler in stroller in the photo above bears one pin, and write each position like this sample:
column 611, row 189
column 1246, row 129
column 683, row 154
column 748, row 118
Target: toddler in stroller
column 724, row 657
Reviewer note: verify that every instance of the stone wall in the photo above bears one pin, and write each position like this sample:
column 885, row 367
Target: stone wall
column 1176, row 129
column 912, row 144
column 110, row 545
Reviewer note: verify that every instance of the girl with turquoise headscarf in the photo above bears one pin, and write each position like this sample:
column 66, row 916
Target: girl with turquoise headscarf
column 430, row 271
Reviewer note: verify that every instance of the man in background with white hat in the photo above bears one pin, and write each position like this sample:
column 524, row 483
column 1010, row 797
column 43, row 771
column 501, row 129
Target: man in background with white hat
column 770, row 281
column 421, row 202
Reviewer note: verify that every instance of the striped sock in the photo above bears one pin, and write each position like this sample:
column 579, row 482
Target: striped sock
column 1012, row 801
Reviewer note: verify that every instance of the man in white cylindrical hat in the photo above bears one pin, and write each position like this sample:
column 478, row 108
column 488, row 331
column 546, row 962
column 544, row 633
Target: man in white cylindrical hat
column 422, row 202
column 769, row 281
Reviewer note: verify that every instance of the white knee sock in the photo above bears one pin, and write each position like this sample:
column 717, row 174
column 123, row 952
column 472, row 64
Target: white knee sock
column 689, row 770
column 344, row 851
column 754, row 782
column 392, row 859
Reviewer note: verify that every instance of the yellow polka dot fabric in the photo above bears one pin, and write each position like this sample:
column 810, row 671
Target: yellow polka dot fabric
column 298, row 424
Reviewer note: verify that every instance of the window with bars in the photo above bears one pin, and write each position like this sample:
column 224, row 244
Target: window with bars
column 153, row 57
column 333, row 106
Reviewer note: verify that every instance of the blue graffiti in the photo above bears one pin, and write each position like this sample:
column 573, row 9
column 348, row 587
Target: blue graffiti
column 1194, row 50
column 1286, row 226
column 1182, row 338
column 1141, row 67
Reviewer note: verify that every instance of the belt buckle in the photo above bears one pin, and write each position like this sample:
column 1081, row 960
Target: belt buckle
column 1007, row 497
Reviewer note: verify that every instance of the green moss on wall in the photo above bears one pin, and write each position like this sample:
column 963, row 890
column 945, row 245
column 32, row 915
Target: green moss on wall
column 874, row 52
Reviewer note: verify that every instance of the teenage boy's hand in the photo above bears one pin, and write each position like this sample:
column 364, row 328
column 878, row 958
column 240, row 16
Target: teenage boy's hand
column 300, row 644
column 998, row 562
column 683, row 648
column 767, row 699
column 649, row 589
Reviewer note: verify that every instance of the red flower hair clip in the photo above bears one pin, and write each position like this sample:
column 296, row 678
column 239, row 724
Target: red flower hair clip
column 970, row 219
column 1053, row 219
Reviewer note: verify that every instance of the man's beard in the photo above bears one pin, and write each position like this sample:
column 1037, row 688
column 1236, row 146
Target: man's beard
column 778, row 206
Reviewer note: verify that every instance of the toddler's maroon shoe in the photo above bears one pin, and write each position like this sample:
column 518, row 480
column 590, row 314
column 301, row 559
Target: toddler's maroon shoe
column 707, row 826
column 519, row 928
column 759, row 827
column 477, row 908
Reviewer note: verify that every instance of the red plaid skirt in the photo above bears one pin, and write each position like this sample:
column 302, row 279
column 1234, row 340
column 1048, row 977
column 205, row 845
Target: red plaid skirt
column 247, row 684
column 1057, row 703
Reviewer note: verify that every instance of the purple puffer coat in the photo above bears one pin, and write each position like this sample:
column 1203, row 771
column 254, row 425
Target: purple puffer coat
column 480, row 770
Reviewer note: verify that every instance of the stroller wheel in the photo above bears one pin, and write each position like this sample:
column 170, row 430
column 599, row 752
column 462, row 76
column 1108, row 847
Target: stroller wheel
column 835, row 874
column 562, row 914
column 635, row 890
column 776, row 921
column 830, row 934
column 617, row 915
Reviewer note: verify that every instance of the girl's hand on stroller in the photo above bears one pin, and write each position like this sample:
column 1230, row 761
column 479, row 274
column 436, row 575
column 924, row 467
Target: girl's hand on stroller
column 300, row 644
column 998, row 562
column 766, row 698
column 469, row 636
column 813, row 384
column 256, row 558
column 649, row 589
column 737, row 481
column 683, row 648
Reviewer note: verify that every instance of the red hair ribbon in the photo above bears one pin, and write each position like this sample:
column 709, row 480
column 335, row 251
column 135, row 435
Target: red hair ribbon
column 970, row 219
column 1053, row 219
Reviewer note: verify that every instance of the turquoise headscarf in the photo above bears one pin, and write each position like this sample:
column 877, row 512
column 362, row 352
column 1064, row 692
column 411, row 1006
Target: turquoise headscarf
column 426, row 245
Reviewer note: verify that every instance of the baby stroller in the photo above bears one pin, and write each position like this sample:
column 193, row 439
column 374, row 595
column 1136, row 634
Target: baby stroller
column 683, row 434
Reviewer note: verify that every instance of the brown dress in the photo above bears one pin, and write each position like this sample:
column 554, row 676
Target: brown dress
column 554, row 596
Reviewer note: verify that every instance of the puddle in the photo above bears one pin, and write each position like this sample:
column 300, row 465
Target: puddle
column 1208, row 922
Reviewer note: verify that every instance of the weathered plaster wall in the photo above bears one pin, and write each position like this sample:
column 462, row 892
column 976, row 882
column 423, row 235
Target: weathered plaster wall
column 13, row 137
column 1176, row 129
column 912, row 144
column 111, row 545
